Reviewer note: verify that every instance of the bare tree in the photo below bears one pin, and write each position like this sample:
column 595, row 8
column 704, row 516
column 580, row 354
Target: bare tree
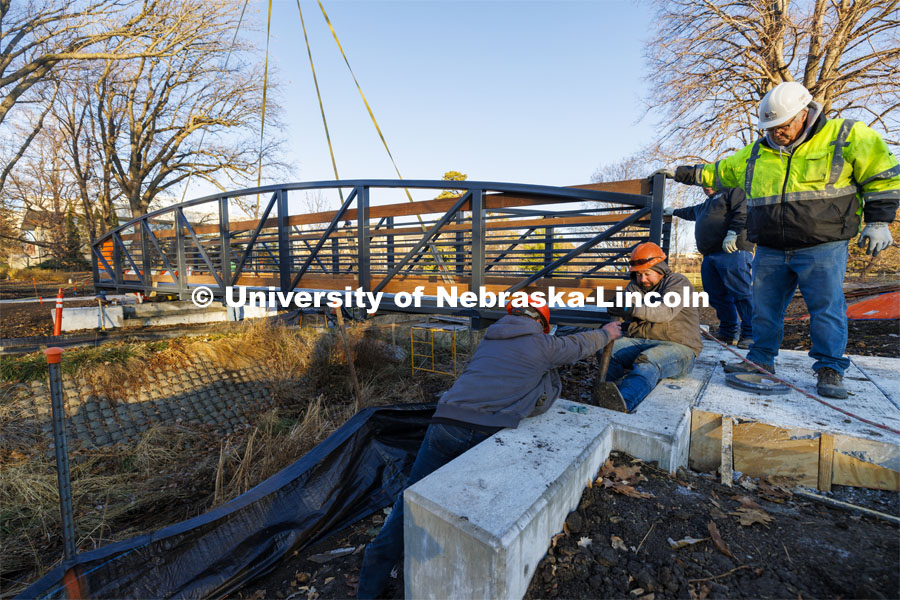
column 151, row 113
column 711, row 62
column 38, row 39
column 42, row 190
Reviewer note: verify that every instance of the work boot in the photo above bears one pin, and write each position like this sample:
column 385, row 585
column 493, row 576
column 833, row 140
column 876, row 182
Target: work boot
column 725, row 338
column 607, row 395
column 744, row 342
column 830, row 384
column 743, row 367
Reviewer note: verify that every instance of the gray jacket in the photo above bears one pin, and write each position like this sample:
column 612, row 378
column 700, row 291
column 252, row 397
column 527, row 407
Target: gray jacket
column 513, row 373
column 678, row 324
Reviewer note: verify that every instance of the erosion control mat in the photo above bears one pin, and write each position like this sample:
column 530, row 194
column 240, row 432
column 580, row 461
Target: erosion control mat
column 356, row 471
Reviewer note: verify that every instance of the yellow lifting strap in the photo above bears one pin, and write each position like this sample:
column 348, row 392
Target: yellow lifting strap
column 262, row 124
column 319, row 96
column 438, row 257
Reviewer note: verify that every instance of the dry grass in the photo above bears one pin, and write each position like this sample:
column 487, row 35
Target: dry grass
column 176, row 472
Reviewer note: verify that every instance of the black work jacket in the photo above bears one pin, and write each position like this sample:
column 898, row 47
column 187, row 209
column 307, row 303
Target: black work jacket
column 722, row 212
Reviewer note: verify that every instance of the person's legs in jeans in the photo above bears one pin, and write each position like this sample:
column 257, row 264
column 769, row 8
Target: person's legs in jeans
column 734, row 270
column 657, row 361
column 774, row 283
column 442, row 444
column 719, row 296
column 625, row 350
column 820, row 271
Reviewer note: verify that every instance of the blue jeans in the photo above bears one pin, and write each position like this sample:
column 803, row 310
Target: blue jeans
column 442, row 444
column 648, row 361
column 819, row 271
column 726, row 280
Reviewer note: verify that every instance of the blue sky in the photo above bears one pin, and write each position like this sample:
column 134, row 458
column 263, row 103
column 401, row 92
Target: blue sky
column 530, row 92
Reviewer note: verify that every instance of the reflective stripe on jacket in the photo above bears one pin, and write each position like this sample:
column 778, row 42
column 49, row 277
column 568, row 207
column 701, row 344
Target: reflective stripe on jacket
column 817, row 193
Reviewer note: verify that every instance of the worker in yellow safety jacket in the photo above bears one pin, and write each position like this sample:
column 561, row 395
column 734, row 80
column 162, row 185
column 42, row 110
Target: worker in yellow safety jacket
column 808, row 181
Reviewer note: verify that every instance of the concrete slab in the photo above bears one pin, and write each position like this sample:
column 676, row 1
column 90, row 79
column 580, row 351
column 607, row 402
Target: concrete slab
column 479, row 525
column 873, row 392
column 88, row 317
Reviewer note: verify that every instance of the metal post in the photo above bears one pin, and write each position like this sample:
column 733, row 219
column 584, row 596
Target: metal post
column 548, row 247
column 145, row 256
column 477, row 201
column 181, row 261
column 460, row 240
column 657, row 201
column 285, row 263
column 117, row 260
column 390, row 244
column 362, row 221
column 225, row 240
column 335, row 256
column 54, row 356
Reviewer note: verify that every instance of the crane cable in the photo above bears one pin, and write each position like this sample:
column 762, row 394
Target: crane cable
column 262, row 124
column 224, row 68
column 438, row 257
column 321, row 106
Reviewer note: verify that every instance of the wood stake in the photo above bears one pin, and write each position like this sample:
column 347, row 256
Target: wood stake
column 826, row 461
column 338, row 313
column 726, row 469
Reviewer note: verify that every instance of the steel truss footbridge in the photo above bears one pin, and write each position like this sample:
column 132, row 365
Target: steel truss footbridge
column 502, row 236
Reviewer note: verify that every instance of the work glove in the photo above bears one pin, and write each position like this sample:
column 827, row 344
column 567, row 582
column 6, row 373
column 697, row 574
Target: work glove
column 669, row 173
column 622, row 313
column 668, row 211
column 877, row 237
column 729, row 244
column 688, row 174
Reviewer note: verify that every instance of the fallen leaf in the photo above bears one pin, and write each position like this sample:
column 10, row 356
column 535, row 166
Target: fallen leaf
column 328, row 580
column 688, row 541
column 584, row 542
column 332, row 554
column 627, row 490
column 717, row 540
column 746, row 501
column 637, row 591
column 618, row 544
column 590, row 483
column 615, row 519
column 649, row 596
column 749, row 516
column 747, row 484
column 566, row 528
column 556, row 538
column 704, row 592
column 715, row 513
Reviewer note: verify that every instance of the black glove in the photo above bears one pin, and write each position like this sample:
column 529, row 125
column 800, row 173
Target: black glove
column 687, row 174
column 622, row 313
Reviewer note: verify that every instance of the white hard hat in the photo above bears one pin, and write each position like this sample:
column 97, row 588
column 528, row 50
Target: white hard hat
column 782, row 103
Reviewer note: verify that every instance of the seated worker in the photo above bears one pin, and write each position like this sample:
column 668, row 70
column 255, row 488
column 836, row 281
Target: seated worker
column 660, row 341
column 511, row 376
column 722, row 240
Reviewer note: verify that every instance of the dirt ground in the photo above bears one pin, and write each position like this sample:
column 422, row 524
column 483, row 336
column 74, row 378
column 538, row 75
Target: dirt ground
column 619, row 544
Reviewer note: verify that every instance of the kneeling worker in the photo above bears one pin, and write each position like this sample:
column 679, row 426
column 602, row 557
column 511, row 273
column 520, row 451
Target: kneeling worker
column 511, row 376
column 660, row 342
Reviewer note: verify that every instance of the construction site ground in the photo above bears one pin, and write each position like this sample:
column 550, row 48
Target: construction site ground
column 808, row 550
column 769, row 543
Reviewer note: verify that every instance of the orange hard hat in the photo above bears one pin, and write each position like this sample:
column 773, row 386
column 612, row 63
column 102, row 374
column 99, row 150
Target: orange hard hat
column 645, row 256
column 537, row 309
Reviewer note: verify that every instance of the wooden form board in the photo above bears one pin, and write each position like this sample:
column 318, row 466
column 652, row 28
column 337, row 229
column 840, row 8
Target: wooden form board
column 808, row 457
